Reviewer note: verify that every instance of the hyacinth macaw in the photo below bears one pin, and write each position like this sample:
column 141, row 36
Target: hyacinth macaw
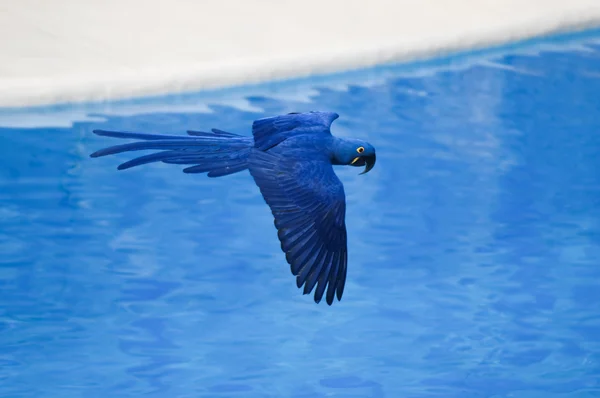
column 290, row 158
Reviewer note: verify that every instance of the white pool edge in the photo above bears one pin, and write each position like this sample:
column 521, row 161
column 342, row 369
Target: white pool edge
column 181, row 77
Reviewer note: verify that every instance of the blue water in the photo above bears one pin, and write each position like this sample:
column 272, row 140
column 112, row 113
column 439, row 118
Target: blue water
column 474, row 246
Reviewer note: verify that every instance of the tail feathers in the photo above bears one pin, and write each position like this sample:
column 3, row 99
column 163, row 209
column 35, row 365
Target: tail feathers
column 218, row 169
column 213, row 133
column 163, row 156
column 139, row 136
column 218, row 153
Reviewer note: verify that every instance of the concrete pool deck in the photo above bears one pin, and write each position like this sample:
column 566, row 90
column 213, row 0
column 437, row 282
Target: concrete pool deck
column 83, row 50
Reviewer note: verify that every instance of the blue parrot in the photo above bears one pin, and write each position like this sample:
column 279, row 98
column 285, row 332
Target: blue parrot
column 290, row 158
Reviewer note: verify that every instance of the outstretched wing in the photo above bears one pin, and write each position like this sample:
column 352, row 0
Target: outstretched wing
column 270, row 131
column 308, row 202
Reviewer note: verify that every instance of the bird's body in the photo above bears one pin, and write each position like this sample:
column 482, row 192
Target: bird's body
column 290, row 158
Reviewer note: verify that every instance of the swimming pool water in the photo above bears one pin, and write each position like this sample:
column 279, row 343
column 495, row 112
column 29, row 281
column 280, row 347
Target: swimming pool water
column 474, row 249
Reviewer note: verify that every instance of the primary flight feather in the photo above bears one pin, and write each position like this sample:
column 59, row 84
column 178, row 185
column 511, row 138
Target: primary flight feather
column 290, row 158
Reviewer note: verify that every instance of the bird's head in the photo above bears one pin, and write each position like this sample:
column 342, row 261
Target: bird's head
column 353, row 152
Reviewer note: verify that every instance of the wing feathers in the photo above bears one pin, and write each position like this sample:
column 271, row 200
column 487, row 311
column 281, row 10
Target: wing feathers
column 308, row 203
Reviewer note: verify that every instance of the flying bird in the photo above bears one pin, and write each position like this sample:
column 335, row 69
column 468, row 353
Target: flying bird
column 290, row 158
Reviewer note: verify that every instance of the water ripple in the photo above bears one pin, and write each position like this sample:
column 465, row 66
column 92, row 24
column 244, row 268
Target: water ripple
column 473, row 247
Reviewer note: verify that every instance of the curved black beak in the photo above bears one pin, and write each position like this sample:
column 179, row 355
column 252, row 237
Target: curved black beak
column 369, row 163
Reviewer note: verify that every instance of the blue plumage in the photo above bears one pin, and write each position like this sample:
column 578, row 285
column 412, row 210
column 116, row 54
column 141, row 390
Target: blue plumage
column 290, row 158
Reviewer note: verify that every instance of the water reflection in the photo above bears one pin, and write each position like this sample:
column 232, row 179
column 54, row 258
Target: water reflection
column 472, row 250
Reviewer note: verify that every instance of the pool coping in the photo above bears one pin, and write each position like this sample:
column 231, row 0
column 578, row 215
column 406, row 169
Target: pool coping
column 415, row 32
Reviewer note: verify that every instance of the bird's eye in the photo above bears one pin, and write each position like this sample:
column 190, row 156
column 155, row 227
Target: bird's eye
column 360, row 149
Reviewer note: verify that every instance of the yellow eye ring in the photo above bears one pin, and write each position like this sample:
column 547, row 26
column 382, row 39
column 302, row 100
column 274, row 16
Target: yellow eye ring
column 360, row 149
